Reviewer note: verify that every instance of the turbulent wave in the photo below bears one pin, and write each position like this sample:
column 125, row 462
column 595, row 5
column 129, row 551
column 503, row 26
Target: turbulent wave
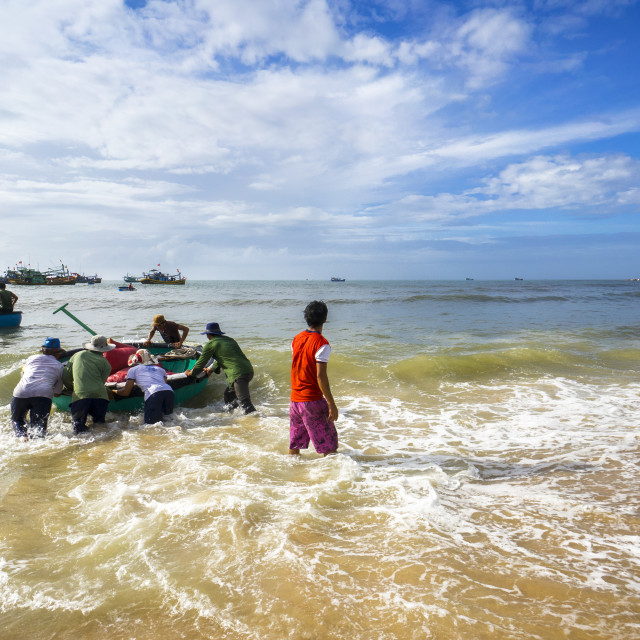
column 485, row 487
column 514, row 362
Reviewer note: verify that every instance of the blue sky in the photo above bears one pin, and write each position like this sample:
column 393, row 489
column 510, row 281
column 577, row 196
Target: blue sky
column 293, row 139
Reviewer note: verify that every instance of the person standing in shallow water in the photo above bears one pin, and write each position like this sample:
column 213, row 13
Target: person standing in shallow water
column 312, row 411
column 86, row 373
column 146, row 372
column 41, row 380
column 230, row 358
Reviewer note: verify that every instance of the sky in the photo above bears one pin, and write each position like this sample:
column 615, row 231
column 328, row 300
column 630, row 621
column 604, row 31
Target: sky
column 304, row 139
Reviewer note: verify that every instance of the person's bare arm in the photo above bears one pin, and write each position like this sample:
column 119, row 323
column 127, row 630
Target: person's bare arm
column 151, row 334
column 323, row 382
column 185, row 333
column 126, row 391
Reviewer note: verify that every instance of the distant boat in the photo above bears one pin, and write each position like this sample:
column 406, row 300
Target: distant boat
column 519, row 278
column 129, row 278
column 336, row 279
column 27, row 276
column 157, row 277
column 10, row 319
column 82, row 279
column 468, row 278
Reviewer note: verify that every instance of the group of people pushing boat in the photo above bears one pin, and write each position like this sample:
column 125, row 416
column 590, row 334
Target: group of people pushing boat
column 312, row 408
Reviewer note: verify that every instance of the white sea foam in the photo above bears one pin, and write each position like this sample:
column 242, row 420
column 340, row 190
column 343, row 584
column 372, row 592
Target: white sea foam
column 483, row 506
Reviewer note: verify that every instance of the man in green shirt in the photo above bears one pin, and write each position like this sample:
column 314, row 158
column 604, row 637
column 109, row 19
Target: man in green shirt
column 87, row 371
column 237, row 368
column 7, row 299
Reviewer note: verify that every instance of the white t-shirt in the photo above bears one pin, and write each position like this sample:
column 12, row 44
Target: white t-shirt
column 149, row 378
column 322, row 354
column 41, row 377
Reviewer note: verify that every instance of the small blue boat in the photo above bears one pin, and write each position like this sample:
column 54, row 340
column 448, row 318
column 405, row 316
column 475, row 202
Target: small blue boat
column 126, row 288
column 11, row 319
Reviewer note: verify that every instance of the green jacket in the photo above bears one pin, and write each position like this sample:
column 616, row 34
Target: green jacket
column 88, row 371
column 6, row 300
column 226, row 352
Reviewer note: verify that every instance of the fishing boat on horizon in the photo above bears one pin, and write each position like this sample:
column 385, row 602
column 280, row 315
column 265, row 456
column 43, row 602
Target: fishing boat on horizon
column 155, row 276
column 337, row 279
column 82, row 279
column 22, row 275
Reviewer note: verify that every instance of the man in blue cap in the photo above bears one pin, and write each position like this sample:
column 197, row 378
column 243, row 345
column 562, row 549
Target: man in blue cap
column 41, row 380
column 237, row 368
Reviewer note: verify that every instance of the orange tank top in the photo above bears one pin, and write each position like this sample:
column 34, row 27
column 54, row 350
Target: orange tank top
column 304, row 375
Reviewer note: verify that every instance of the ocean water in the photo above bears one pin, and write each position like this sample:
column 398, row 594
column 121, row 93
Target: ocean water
column 487, row 484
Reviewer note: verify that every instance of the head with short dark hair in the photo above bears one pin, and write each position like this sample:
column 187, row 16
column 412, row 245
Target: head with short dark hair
column 315, row 313
column 3, row 286
column 56, row 353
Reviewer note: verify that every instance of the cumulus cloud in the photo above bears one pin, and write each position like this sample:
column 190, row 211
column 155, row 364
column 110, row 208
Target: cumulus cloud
column 291, row 115
column 584, row 185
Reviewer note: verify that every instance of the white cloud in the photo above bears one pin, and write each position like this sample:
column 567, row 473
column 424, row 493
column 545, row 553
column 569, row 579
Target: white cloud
column 271, row 117
column 587, row 185
column 563, row 182
column 514, row 142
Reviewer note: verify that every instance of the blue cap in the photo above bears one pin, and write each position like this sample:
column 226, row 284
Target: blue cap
column 51, row 343
column 213, row 328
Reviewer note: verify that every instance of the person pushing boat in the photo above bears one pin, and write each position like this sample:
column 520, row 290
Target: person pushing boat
column 41, row 380
column 228, row 356
column 152, row 379
column 169, row 330
column 87, row 372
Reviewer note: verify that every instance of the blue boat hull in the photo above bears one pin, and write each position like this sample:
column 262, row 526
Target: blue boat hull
column 11, row 319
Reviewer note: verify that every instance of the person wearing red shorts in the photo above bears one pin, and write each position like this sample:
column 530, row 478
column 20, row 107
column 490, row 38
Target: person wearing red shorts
column 312, row 411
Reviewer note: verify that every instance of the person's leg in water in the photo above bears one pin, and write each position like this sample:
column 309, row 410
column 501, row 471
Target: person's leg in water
column 98, row 410
column 241, row 387
column 79, row 412
column 157, row 406
column 230, row 399
column 39, row 416
column 19, row 409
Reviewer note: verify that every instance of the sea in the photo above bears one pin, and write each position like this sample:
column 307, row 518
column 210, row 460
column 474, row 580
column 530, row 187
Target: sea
column 486, row 484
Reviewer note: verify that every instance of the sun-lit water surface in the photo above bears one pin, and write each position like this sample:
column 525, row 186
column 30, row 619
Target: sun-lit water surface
column 486, row 486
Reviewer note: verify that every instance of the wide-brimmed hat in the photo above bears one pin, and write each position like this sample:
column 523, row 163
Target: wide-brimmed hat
column 51, row 343
column 99, row 343
column 141, row 356
column 213, row 328
column 159, row 319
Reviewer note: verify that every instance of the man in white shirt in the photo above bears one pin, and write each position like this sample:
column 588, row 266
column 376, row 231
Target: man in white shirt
column 152, row 379
column 41, row 380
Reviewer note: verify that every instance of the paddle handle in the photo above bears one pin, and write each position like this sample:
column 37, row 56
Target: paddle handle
column 82, row 324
